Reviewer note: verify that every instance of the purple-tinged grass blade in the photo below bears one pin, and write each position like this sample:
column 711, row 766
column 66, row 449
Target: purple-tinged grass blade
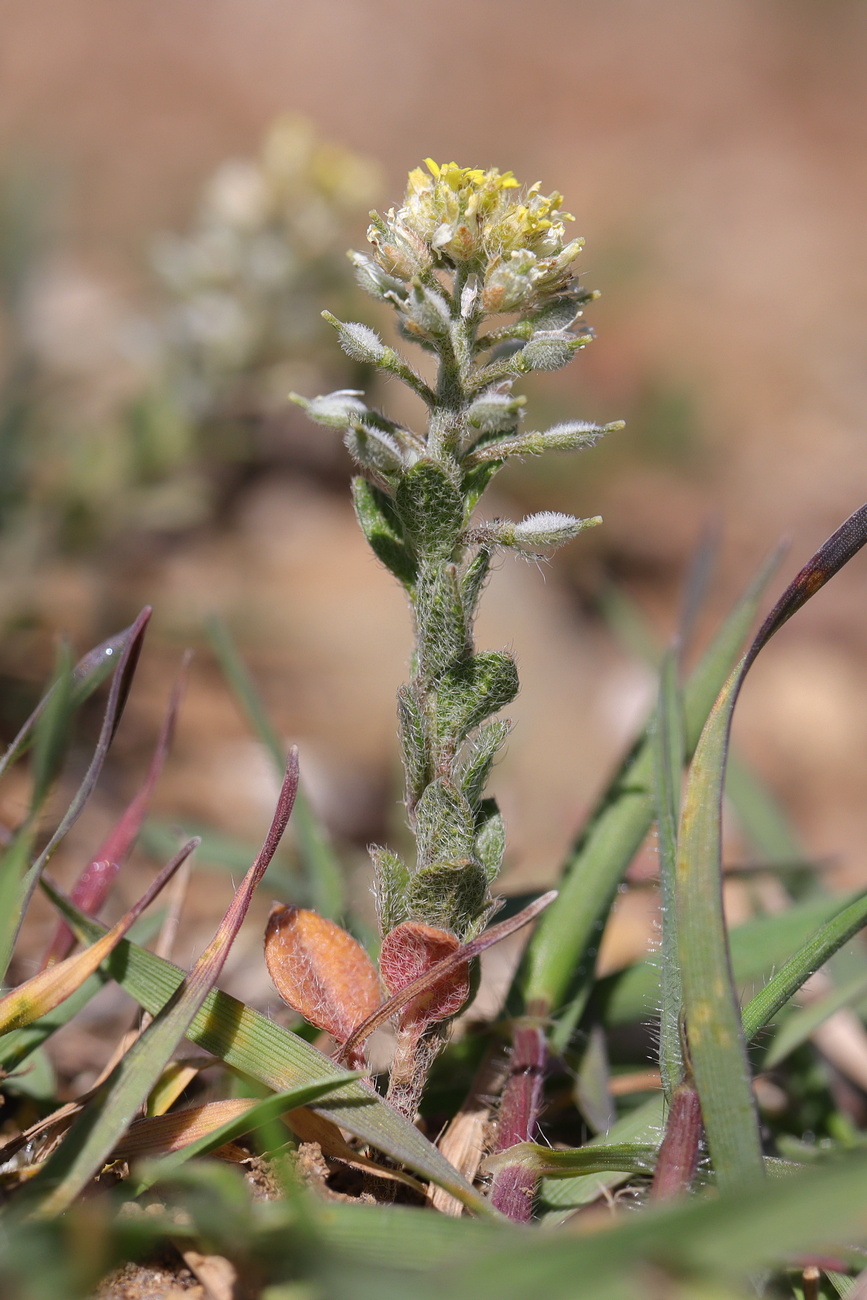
column 51, row 986
column 679, row 1154
column 93, row 885
column 16, row 889
column 87, row 675
column 716, row 1044
column 95, row 1133
column 514, row 1183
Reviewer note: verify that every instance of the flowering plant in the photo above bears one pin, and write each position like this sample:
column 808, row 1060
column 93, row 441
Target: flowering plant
column 480, row 275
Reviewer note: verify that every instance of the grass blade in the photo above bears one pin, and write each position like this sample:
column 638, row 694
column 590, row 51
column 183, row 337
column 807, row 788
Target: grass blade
column 15, row 892
column 758, row 948
column 92, row 887
column 87, row 675
column 256, row 1115
column 716, row 1040
column 51, row 732
column 761, row 1009
column 92, row 1137
column 804, row 1022
column 558, row 963
column 46, row 990
column 625, row 1157
column 668, row 769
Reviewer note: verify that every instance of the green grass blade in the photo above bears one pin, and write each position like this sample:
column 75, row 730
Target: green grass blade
column 716, row 1040
column 558, row 1197
column 813, row 954
column 249, row 1042
column 16, row 891
column 559, row 961
column 262, row 1113
column 321, row 864
column 668, row 769
column 700, row 1241
column 758, row 948
column 804, row 1022
column 624, row 1157
column 105, row 1118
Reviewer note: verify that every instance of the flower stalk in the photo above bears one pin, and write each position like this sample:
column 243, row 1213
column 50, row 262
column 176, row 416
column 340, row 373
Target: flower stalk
column 480, row 275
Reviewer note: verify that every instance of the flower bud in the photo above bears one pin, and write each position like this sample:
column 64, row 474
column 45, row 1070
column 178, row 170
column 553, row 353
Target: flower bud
column 426, row 312
column 495, row 411
column 544, row 531
column 374, row 449
column 573, row 435
column 335, row 410
column 400, row 251
column 373, row 280
column 358, row 341
column 549, row 351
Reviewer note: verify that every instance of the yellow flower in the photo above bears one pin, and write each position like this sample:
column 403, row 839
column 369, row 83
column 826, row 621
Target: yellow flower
column 466, row 215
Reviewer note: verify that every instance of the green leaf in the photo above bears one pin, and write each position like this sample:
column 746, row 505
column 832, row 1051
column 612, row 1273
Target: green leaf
column 474, row 768
column 476, row 480
column 450, row 896
column 473, row 690
column 443, row 630
column 445, row 825
column 473, row 580
column 382, row 528
column 490, row 841
column 392, row 882
column 431, row 509
column 414, row 743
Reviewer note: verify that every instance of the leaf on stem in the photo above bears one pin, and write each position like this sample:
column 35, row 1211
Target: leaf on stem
column 320, row 970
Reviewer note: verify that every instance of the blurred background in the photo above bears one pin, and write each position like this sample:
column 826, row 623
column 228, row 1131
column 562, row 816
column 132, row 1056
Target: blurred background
column 178, row 185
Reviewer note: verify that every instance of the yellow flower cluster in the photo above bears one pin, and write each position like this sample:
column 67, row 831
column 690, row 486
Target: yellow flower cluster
column 465, row 214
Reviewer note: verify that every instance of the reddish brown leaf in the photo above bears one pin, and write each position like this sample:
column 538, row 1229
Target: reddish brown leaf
column 408, row 953
column 320, row 970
